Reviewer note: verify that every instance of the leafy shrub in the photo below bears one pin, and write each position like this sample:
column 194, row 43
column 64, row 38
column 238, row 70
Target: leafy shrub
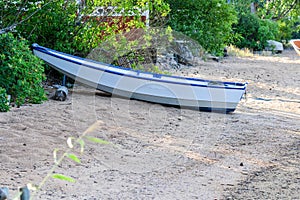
column 254, row 31
column 247, row 28
column 4, row 107
column 21, row 72
column 285, row 13
column 208, row 22
column 288, row 29
column 268, row 30
column 53, row 26
column 69, row 27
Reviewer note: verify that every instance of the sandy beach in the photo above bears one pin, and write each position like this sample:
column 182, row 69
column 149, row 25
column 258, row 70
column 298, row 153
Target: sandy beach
column 158, row 152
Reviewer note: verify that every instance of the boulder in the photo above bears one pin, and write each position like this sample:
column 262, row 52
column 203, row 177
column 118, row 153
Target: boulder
column 274, row 46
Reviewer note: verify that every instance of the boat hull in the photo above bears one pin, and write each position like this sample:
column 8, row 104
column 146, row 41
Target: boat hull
column 296, row 44
column 183, row 92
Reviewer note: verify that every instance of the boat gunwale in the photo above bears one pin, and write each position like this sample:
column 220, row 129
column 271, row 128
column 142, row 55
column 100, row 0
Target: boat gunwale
column 293, row 42
column 219, row 84
column 295, row 46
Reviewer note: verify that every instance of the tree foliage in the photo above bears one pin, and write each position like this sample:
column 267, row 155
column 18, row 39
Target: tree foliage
column 208, row 22
column 71, row 27
column 62, row 25
column 254, row 32
column 286, row 14
column 4, row 107
column 21, row 72
column 278, row 10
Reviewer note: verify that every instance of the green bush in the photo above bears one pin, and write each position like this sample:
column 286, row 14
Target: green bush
column 59, row 26
column 21, row 72
column 4, row 107
column 247, row 28
column 208, row 22
column 255, row 32
column 268, row 30
column 53, row 26
column 288, row 29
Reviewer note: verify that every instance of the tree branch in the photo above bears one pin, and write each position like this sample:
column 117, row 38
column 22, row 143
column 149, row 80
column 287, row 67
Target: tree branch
column 15, row 24
column 283, row 13
column 292, row 6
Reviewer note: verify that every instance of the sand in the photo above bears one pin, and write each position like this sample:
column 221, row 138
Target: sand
column 158, row 152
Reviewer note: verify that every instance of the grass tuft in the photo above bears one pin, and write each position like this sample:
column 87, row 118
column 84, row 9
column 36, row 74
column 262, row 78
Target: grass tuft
column 234, row 51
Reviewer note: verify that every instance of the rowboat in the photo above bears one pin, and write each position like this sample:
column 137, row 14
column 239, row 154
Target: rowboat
column 183, row 92
column 296, row 44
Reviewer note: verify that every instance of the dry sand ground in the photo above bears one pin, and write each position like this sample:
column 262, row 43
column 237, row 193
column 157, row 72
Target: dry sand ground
column 158, row 152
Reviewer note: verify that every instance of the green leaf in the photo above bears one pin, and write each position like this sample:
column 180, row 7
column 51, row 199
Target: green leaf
column 81, row 142
column 96, row 140
column 63, row 177
column 74, row 157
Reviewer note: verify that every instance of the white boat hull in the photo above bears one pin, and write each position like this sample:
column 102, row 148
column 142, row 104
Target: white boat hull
column 163, row 89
